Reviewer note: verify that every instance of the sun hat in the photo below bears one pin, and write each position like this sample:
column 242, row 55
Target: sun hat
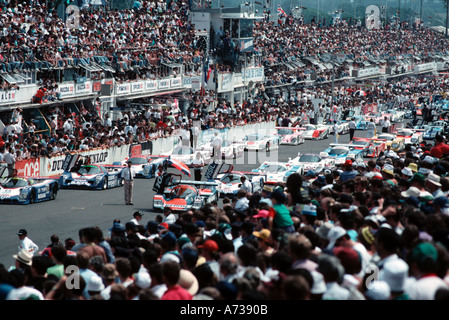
column 24, row 257
column 334, row 234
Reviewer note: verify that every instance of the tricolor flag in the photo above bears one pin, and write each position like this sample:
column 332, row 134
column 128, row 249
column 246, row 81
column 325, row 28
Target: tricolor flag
column 281, row 11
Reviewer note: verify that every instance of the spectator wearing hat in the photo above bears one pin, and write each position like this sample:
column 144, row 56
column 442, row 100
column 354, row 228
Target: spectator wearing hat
column 423, row 262
column 395, row 274
column 209, row 251
column 242, row 203
column 440, row 148
column 352, row 264
column 348, row 172
column 169, row 247
column 137, row 217
column 94, row 286
column 26, row 243
column 171, row 276
column 418, row 181
column 264, row 240
column 433, row 185
column 279, row 216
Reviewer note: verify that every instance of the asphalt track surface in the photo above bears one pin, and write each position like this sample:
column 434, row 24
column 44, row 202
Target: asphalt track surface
column 76, row 209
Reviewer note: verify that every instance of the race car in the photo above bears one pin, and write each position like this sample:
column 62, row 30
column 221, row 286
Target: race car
column 92, row 176
column 395, row 115
column 396, row 143
column 256, row 142
column 364, row 144
column 341, row 152
column 316, row 132
column 187, row 154
column 291, row 135
column 410, row 136
column 376, row 116
column 378, row 146
column 360, row 122
column 432, row 132
column 312, row 161
column 182, row 195
column 343, row 128
column 140, row 163
column 27, row 190
column 229, row 183
column 278, row 171
column 229, row 150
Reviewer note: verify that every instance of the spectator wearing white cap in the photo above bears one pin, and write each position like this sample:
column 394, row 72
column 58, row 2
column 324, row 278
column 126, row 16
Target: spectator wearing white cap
column 395, row 274
column 433, row 185
column 378, row 290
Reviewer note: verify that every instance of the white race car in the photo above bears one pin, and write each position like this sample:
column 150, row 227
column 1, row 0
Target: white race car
column 256, row 141
column 312, row 161
column 187, row 154
column 291, row 135
column 229, row 183
column 278, row 171
column 343, row 128
column 229, row 150
column 316, row 132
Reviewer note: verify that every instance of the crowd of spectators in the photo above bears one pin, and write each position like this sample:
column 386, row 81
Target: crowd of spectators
column 374, row 231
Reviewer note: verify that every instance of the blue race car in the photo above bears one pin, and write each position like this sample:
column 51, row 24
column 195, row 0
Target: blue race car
column 360, row 122
column 432, row 132
column 92, row 176
column 342, row 152
column 23, row 190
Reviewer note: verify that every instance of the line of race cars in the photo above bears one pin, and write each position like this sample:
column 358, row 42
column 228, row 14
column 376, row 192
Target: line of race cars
column 180, row 194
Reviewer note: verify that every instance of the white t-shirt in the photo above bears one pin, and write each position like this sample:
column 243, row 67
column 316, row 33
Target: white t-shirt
column 24, row 293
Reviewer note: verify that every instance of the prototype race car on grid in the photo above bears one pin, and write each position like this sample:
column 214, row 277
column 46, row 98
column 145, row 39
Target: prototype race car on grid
column 92, row 176
column 186, row 154
column 27, row 190
column 411, row 136
column 376, row 116
column 140, row 164
column 291, row 135
column 229, row 150
column 278, row 171
column 395, row 115
column 432, row 132
column 361, row 122
column 341, row 152
column 312, row 161
column 343, row 128
column 364, row 144
column 316, row 132
column 256, row 142
column 229, row 183
column 182, row 195
column 396, row 143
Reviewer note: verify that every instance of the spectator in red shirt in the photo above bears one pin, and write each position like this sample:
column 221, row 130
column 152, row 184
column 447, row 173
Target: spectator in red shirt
column 440, row 148
column 170, row 276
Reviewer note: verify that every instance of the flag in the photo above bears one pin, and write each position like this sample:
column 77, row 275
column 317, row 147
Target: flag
column 281, row 11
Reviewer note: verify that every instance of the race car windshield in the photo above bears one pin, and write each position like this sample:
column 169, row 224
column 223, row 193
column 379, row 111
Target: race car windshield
column 359, row 143
column 386, row 137
column 138, row 160
column 230, row 178
column 284, row 132
column 307, row 158
column 15, row 183
column 338, row 151
column 253, row 138
column 86, row 170
column 182, row 192
column 272, row 168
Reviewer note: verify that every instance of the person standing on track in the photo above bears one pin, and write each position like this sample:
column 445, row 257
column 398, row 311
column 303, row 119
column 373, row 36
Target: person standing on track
column 128, row 176
column 371, row 129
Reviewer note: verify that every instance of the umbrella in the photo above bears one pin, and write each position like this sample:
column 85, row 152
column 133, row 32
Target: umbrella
column 360, row 93
column 179, row 165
